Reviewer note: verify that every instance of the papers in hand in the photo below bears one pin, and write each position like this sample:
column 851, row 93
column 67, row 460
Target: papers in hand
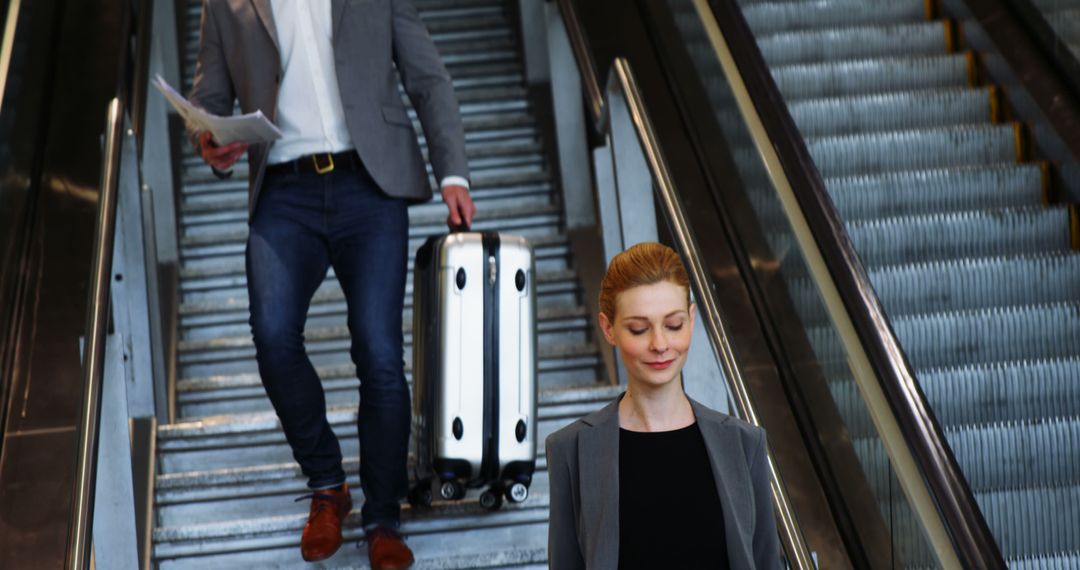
column 249, row 128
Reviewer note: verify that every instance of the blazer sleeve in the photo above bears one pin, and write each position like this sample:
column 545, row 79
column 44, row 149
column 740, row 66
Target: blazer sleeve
column 564, row 550
column 428, row 86
column 213, row 87
column 766, row 542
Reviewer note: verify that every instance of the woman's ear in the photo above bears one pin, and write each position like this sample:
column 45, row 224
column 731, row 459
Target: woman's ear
column 608, row 328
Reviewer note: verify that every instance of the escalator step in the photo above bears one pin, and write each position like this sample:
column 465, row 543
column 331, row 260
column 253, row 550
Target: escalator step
column 1020, row 391
column 1034, row 522
column 907, row 40
column 987, row 233
column 916, row 192
column 765, row 17
column 1018, row 455
column 891, row 111
column 1014, row 391
column 832, row 79
column 908, row 150
column 990, row 335
column 1027, row 522
column 957, row 285
column 967, row 338
column 977, row 283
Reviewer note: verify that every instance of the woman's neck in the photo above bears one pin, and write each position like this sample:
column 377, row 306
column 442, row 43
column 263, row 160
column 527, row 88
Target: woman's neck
column 655, row 408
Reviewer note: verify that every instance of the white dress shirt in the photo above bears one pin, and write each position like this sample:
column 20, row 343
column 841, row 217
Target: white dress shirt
column 309, row 110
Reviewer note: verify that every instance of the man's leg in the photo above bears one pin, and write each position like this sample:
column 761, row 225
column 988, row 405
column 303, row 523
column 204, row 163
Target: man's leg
column 287, row 259
column 369, row 246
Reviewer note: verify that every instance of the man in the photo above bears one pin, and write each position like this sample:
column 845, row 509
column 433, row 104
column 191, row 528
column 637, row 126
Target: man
column 332, row 192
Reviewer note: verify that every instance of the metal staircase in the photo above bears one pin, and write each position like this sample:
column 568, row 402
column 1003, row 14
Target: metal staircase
column 227, row 481
column 947, row 210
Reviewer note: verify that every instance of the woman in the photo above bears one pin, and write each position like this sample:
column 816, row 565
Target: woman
column 656, row 480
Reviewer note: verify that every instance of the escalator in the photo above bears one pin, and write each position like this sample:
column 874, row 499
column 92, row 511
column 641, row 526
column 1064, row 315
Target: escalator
column 959, row 220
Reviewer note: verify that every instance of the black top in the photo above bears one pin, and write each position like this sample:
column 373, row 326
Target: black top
column 669, row 511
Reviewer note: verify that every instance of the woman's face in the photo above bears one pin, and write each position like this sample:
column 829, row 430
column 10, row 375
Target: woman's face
column 652, row 331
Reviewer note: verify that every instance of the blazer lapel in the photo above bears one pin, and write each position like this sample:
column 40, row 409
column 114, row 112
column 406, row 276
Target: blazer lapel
column 266, row 16
column 726, row 455
column 598, row 461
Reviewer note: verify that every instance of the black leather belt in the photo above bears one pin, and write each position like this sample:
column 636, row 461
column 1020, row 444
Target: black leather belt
column 321, row 163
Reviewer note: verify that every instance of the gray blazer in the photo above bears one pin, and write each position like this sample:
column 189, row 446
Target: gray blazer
column 583, row 467
column 239, row 60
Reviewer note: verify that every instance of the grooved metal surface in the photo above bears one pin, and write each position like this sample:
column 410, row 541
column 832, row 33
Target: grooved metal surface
column 227, row 479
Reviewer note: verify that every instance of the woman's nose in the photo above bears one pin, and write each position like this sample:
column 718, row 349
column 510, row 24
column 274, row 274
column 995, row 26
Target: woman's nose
column 659, row 342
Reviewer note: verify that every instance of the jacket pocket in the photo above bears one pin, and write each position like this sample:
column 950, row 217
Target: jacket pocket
column 396, row 115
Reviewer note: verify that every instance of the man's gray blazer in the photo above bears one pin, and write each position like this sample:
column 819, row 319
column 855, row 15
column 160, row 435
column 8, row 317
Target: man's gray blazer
column 239, row 60
column 583, row 470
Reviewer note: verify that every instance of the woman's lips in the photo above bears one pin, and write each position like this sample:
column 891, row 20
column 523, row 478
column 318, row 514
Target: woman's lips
column 661, row 365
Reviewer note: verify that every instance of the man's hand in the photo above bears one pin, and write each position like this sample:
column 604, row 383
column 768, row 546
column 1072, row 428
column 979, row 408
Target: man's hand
column 220, row 157
column 460, row 204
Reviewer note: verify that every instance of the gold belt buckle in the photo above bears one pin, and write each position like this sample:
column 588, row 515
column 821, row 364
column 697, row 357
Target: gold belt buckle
column 323, row 169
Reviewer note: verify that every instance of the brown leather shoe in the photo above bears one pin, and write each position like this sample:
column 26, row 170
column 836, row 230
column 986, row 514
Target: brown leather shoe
column 322, row 533
column 386, row 550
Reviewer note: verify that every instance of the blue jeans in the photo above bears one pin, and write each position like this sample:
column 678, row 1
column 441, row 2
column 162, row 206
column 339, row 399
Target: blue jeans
column 303, row 224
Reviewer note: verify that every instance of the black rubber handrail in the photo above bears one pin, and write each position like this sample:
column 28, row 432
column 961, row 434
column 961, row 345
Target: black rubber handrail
column 964, row 521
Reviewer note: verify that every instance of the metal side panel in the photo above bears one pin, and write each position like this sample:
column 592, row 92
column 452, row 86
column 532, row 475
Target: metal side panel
column 459, row 393
column 517, row 355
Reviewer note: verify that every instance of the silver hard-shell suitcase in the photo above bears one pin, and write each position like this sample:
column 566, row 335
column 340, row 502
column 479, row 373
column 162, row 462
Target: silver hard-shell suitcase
column 474, row 368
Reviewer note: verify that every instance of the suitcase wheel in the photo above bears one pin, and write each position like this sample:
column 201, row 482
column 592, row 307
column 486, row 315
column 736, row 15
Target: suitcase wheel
column 420, row 496
column 491, row 499
column 517, row 493
column 452, row 490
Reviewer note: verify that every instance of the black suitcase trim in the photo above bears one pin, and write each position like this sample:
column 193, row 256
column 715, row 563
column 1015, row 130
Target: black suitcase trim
column 489, row 465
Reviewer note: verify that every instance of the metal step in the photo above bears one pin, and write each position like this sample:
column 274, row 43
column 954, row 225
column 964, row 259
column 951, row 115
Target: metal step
column 950, row 147
column 866, row 76
column 919, row 192
column 771, row 17
column 958, row 285
column 965, row 338
column 476, row 539
column 901, row 110
column 985, row 233
column 1027, row 521
column 823, row 44
column 1020, row 391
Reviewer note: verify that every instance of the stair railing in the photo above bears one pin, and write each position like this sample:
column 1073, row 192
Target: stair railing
column 618, row 116
column 125, row 386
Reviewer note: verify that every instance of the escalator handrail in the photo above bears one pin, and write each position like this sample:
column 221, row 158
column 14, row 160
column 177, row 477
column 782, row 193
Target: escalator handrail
column 621, row 82
column 590, row 78
column 969, row 533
